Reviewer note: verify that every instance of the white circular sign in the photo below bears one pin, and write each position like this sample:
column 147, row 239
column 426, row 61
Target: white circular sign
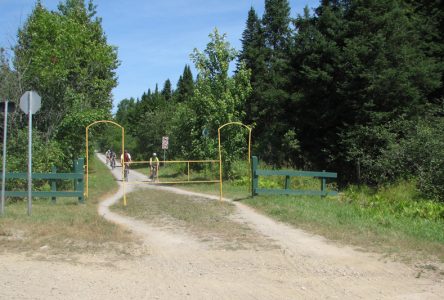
column 30, row 101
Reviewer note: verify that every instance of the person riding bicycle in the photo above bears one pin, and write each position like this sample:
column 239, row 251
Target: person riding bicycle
column 125, row 159
column 113, row 159
column 154, row 167
column 108, row 156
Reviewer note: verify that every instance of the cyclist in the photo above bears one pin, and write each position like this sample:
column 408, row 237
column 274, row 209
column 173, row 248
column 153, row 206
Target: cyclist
column 125, row 160
column 154, row 167
column 108, row 156
column 113, row 159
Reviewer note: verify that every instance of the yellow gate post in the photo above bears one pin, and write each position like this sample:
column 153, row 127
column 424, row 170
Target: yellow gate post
column 220, row 153
column 87, row 156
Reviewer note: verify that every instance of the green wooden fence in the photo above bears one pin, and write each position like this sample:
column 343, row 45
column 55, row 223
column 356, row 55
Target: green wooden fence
column 77, row 176
column 255, row 190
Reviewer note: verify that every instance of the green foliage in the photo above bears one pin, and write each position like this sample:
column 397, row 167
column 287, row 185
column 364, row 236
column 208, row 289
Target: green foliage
column 401, row 149
column 401, row 199
column 266, row 50
column 64, row 56
column 362, row 78
column 72, row 128
column 353, row 86
column 9, row 83
column 218, row 99
column 276, row 22
column 374, row 229
column 423, row 156
column 167, row 92
column 252, row 55
column 185, row 86
column 44, row 156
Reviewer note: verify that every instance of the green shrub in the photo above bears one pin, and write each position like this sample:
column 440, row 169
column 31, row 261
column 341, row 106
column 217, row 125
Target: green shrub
column 400, row 150
column 401, row 199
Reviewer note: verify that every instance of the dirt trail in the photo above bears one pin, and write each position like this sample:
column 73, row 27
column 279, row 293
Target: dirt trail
column 178, row 266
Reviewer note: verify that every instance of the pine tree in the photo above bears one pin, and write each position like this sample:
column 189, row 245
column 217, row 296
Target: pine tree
column 314, row 77
column 185, row 85
column 361, row 71
column 272, row 92
column 276, row 21
column 253, row 56
column 167, row 91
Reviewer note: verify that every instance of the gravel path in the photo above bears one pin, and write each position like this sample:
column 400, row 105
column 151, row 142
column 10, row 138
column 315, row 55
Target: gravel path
column 178, row 266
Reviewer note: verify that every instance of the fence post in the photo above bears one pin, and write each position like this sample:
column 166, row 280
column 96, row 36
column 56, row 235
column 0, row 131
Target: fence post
column 80, row 182
column 254, row 177
column 53, row 185
column 287, row 182
column 324, row 185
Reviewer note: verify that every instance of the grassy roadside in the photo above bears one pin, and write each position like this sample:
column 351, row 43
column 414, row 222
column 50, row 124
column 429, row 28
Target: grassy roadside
column 66, row 226
column 357, row 217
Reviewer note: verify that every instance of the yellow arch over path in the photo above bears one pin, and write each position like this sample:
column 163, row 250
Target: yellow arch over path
column 220, row 152
column 87, row 155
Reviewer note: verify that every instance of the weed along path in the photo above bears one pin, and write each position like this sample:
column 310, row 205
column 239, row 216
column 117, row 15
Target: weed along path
column 238, row 254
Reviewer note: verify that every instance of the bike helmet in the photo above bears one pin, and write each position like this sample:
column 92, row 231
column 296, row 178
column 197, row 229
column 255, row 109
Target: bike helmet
column 154, row 154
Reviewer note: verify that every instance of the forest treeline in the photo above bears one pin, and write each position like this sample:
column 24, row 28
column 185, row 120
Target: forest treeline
column 351, row 86
column 354, row 87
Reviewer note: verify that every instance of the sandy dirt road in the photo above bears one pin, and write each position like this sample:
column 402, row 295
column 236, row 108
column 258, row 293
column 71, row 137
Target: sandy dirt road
column 178, row 266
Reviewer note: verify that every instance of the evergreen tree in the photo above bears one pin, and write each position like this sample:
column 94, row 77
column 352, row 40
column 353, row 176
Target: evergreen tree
column 429, row 15
column 360, row 71
column 185, row 85
column 276, row 21
column 272, row 93
column 253, row 56
column 167, row 91
column 314, row 73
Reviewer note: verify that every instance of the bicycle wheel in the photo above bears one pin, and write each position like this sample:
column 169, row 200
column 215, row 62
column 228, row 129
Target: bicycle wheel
column 126, row 174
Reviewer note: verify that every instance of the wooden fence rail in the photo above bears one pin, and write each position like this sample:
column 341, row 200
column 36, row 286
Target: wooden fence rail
column 77, row 176
column 288, row 174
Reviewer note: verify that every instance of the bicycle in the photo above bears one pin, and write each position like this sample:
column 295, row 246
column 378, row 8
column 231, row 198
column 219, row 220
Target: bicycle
column 154, row 173
column 126, row 172
column 113, row 163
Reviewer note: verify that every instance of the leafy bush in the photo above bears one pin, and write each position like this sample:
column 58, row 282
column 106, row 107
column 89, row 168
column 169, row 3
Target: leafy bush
column 400, row 149
column 44, row 156
column 424, row 157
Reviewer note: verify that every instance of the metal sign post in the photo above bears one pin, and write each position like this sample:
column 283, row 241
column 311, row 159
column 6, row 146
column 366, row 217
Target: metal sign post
column 8, row 108
column 30, row 103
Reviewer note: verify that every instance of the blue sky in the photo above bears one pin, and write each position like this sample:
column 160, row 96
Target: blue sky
column 154, row 38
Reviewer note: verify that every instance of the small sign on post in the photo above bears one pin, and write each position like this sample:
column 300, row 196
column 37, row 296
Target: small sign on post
column 164, row 147
column 165, row 143
column 30, row 103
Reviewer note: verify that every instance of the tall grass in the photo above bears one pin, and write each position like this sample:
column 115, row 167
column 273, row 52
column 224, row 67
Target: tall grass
column 380, row 220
